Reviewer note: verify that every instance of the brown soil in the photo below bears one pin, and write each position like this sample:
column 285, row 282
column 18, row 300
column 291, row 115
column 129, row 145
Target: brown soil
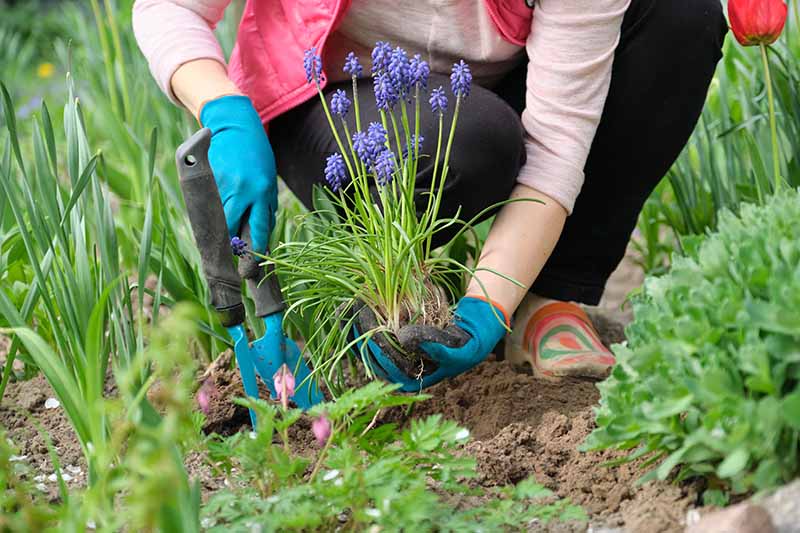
column 22, row 410
column 521, row 427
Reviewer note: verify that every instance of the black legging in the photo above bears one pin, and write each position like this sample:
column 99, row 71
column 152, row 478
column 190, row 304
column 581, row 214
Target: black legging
column 662, row 69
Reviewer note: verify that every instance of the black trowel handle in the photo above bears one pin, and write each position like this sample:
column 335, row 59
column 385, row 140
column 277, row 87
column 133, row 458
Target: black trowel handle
column 265, row 292
column 208, row 225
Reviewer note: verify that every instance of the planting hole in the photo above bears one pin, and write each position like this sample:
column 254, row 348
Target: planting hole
column 190, row 160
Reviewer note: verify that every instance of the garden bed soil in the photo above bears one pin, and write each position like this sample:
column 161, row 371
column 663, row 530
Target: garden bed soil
column 520, row 427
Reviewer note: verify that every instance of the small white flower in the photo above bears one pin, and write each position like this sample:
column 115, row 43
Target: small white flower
column 206, row 522
column 252, row 435
column 718, row 433
column 15, row 458
column 463, row 434
column 374, row 513
column 338, row 482
column 330, row 474
column 91, row 525
column 51, row 403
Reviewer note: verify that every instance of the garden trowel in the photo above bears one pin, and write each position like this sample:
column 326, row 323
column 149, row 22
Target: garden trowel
column 267, row 354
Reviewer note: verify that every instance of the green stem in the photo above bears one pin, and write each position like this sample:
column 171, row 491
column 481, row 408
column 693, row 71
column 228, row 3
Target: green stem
column 355, row 104
column 445, row 165
column 335, row 132
column 772, row 125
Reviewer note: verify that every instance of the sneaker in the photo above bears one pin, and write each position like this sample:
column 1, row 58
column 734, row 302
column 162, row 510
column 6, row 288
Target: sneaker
column 559, row 340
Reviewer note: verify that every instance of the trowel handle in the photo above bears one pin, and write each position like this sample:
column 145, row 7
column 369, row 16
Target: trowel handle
column 210, row 231
column 265, row 292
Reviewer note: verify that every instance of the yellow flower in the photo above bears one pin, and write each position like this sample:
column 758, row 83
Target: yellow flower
column 45, row 70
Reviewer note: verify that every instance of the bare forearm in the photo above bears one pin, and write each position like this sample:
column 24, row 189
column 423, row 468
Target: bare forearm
column 520, row 242
column 199, row 81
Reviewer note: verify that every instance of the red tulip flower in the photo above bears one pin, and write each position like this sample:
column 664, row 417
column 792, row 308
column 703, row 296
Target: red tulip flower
column 756, row 22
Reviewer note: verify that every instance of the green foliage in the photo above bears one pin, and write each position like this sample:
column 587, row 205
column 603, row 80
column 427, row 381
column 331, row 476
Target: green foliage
column 709, row 381
column 728, row 160
column 366, row 476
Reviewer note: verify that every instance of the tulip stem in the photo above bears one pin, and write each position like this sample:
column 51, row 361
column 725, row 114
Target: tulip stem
column 772, row 125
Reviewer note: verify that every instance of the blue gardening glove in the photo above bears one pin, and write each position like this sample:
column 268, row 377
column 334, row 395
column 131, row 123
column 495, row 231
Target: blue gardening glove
column 244, row 166
column 478, row 327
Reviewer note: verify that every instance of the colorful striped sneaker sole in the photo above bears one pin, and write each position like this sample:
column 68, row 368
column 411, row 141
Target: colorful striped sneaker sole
column 559, row 341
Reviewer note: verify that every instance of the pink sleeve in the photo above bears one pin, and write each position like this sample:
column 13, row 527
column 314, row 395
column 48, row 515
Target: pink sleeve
column 173, row 32
column 571, row 50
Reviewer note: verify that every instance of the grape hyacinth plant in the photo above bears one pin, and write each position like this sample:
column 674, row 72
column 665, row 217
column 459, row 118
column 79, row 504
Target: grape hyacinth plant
column 372, row 234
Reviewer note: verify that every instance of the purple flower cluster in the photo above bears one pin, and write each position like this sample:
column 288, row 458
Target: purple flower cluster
column 386, row 91
column 370, row 144
column 334, row 171
column 395, row 76
column 238, row 246
column 399, row 72
column 438, row 100
column 461, row 79
column 340, row 104
column 380, row 56
column 415, row 144
column 352, row 66
column 384, row 167
column 419, row 71
column 312, row 63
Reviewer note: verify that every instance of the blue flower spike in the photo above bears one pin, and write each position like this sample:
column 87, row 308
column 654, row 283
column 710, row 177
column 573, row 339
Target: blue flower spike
column 334, row 171
column 340, row 103
column 352, row 66
column 438, row 100
column 238, row 246
column 461, row 79
column 312, row 63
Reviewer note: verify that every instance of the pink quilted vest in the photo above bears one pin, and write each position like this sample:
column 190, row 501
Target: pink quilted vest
column 267, row 62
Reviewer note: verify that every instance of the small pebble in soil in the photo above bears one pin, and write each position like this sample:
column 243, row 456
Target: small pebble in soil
column 51, row 403
column 17, row 458
column 42, row 487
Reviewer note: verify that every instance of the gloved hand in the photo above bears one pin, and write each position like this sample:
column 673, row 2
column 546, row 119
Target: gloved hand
column 478, row 327
column 244, row 166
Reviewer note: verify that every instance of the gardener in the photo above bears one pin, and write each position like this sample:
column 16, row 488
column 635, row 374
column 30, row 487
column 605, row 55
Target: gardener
column 582, row 104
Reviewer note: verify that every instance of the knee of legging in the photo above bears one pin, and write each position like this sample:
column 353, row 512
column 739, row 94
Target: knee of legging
column 695, row 23
column 488, row 148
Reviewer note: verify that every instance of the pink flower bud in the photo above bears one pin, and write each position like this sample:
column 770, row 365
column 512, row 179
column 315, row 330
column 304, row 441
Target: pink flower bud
column 321, row 427
column 204, row 395
column 284, row 384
